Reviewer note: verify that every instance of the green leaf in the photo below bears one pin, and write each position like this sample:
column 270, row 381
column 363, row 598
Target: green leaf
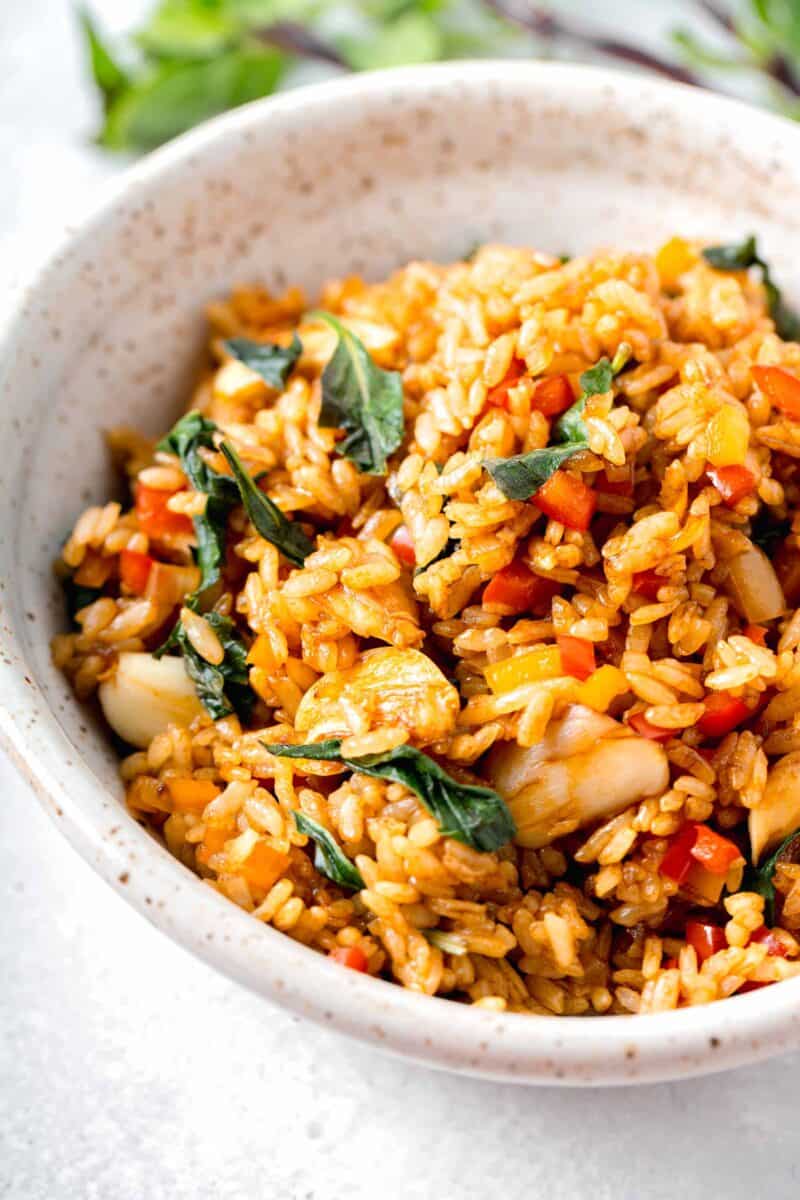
column 699, row 54
column 172, row 97
column 740, row 256
column 268, row 519
column 221, row 689
column 187, row 29
column 110, row 78
column 521, row 476
column 191, row 434
column 767, row 531
column 362, row 399
column 272, row 362
column 760, row 879
column 78, row 596
column 475, row 815
column 412, row 37
column 329, row 859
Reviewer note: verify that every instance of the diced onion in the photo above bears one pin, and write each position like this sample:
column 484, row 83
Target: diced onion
column 754, row 587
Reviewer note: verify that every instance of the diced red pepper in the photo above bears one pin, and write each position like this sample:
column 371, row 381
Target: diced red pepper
column 706, row 938
column 552, row 396
column 498, row 396
column 577, row 656
column 401, row 543
column 781, row 388
column 155, row 519
column 566, row 498
column 698, row 844
column 518, row 589
column 733, row 483
column 134, row 571
column 349, row 956
column 756, row 633
column 640, row 724
column 647, row 583
column 723, row 712
column 768, row 937
column 670, row 964
column 615, row 487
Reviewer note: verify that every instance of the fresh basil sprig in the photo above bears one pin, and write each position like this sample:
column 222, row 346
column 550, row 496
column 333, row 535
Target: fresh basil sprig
column 221, row 689
column 272, row 362
column 329, row 859
column 268, row 519
column 475, row 815
column 362, row 399
column 191, row 434
column 78, row 596
column 760, row 879
column 520, row 476
column 740, row 256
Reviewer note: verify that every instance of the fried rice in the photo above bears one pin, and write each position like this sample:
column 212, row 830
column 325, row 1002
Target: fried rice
column 614, row 658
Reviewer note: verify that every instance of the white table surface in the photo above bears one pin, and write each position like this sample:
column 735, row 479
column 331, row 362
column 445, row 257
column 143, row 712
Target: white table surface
column 129, row 1071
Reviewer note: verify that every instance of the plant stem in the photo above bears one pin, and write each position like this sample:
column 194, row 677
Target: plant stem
column 297, row 39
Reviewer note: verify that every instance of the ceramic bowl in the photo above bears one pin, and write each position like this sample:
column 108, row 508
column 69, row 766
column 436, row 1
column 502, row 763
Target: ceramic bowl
column 354, row 176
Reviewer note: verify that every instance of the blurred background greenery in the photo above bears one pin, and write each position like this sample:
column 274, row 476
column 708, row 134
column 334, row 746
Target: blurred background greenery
column 192, row 59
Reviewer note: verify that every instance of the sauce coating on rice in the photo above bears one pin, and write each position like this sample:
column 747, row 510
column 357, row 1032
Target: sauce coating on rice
column 455, row 633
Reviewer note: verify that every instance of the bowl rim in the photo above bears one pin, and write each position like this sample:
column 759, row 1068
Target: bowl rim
column 431, row 1030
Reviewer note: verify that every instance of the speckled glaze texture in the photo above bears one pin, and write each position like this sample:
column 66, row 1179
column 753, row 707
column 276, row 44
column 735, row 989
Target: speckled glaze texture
column 358, row 176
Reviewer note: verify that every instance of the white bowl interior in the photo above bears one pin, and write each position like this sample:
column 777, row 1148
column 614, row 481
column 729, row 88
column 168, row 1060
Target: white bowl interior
column 420, row 164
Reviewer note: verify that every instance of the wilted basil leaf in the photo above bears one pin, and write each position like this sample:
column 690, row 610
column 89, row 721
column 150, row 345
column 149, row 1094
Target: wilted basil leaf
column 740, row 256
column 221, row 689
column 171, row 97
column 111, row 79
column 475, row 815
column 760, row 879
column 362, row 399
column 329, row 859
column 596, row 381
column 272, row 362
column 191, row 434
column 266, row 516
column 767, row 531
column 78, row 596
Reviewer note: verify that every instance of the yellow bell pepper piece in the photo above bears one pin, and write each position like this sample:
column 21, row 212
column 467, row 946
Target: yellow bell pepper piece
column 728, row 435
column 543, row 662
column 602, row 686
column 673, row 260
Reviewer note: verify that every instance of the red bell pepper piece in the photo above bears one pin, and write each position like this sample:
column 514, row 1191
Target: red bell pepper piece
column 647, row 583
column 401, row 543
column 756, row 633
column 640, row 724
column 698, row 844
column 519, row 590
column 723, row 713
column 706, row 938
column 566, row 498
column 768, row 937
column 498, row 396
column 349, row 956
column 781, row 388
column 134, row 571
column 733, row 483
column 552, row 396
column 155, row 519
column 577, row 656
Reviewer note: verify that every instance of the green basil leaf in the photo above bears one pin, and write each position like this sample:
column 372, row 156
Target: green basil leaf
column 171, row 97
column 110, row 78
column 191, row 434
column 329, row 859
column 188, row 29
column 273, row 363
column 740, row 256
column 521, row 476
column 475, row 815
column 767, row 531
column 268, row 519
column 77, row 596
column 362, row 399
column 596, row 381
column 223, row 688
column 760, row 879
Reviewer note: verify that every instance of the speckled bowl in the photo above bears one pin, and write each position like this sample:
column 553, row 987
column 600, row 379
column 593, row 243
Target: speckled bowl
column 353, row 176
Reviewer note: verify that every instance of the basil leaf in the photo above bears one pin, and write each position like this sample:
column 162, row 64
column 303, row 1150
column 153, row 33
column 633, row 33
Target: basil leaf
column 521, row 476
column 362, row 399
column 191, row 434
column 475, row 815
column 171, row 97
column 329, row 859
column 740, row 257
column 759, row 879
column 223, row 688
column 767, row 531
column 268, row 519
column 273, row 363
column 110, row 78
column 78, row 596
column 413, row 37
column 188, row 29
column 596, row 381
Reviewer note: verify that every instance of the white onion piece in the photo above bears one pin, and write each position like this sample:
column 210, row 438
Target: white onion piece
column 754, row 587
column 145, row 695
column 778, row 814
